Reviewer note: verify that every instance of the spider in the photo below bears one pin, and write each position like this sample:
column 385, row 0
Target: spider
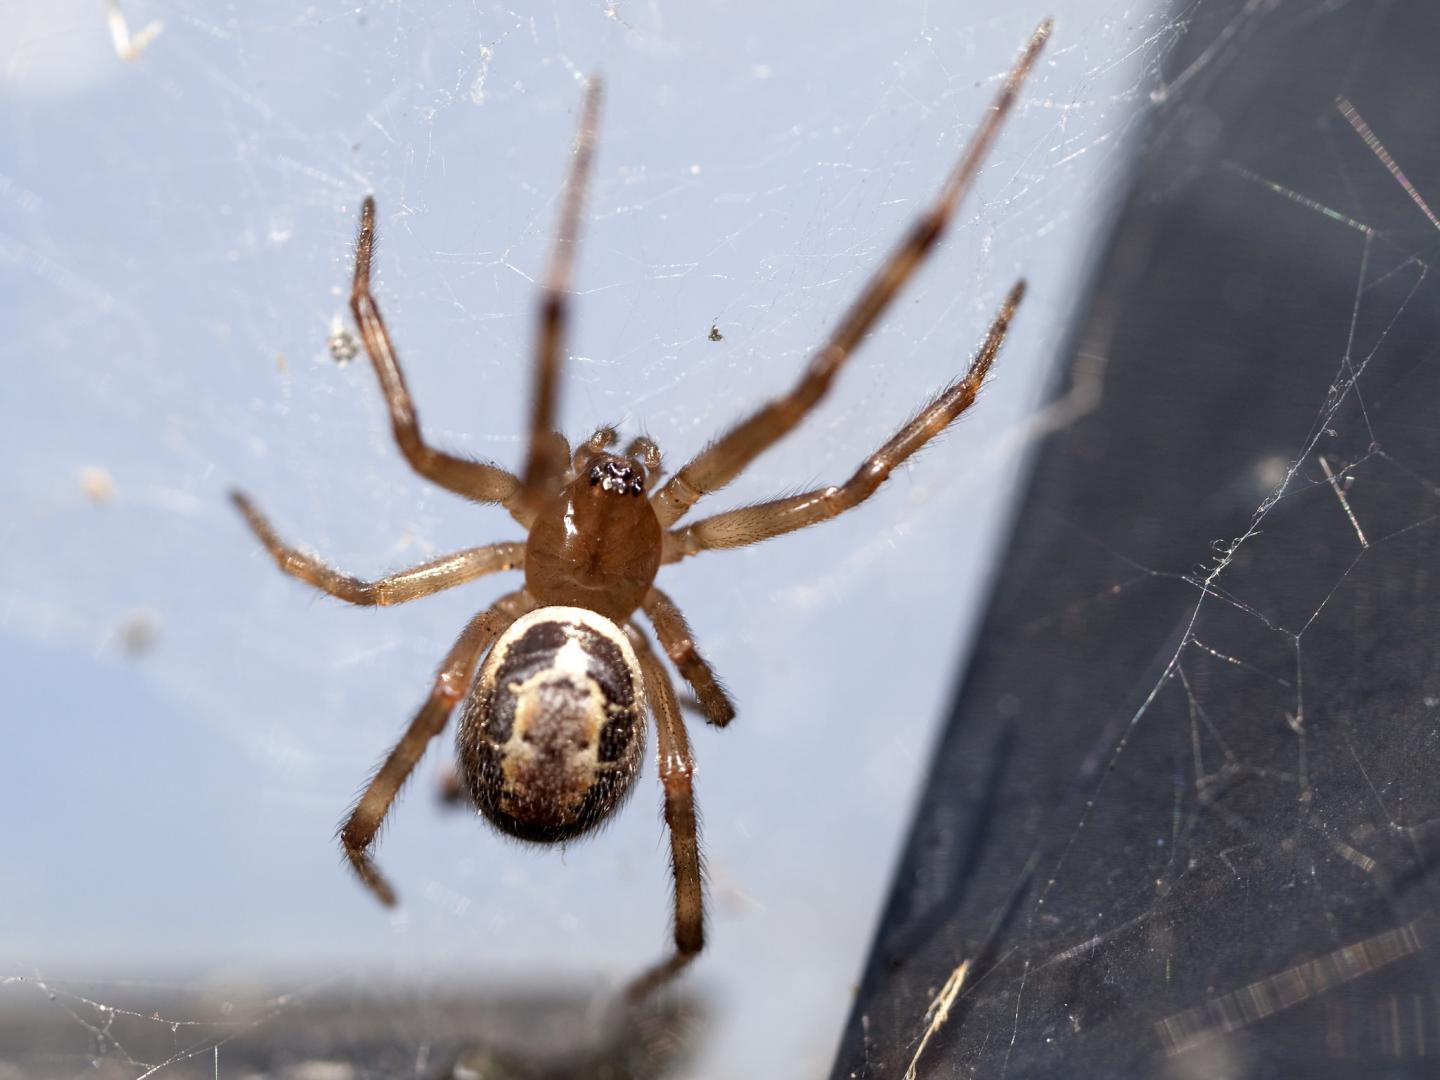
column 553, row 725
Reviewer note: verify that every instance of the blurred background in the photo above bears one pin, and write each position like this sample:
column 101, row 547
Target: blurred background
column 179, row 184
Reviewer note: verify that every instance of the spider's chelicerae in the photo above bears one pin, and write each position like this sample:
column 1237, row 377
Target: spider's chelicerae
column 554, row 723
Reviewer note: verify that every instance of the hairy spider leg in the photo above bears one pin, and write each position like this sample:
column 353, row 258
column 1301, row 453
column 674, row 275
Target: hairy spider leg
column 548, row 454
column 752, row 524
column 431, row 577
column 475, row 480
column 679, row 644
column 677, row 772
column 452, row 682
column 724, row 459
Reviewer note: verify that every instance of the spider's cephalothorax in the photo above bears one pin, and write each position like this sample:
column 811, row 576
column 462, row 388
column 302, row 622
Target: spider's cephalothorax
column 552, row 731
column 554, row 721
column 598, row 543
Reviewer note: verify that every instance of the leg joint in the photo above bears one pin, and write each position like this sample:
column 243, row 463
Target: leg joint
column 689, row 940
column 450, row 687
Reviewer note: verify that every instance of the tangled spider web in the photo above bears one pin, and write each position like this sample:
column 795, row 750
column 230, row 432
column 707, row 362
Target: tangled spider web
column 176, row 231
column 122, row 1041
column 313, row 1033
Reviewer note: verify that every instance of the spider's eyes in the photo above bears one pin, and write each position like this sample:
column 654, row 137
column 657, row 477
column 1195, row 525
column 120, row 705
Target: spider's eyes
column 617, row 476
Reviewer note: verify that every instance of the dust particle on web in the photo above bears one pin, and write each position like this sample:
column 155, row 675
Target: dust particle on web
column 128, row 46
column 97, row 485
column 341, row 343
column 138, row 632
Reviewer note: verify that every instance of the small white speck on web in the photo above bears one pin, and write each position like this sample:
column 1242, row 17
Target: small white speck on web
column 477, row 87
column 97, row 484
column 323, row 1070
column 129, row 47
column 341, row 342
column 1344, row 502
column 939, row 1012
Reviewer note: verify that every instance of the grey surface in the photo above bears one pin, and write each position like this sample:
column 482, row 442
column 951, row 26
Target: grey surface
column 174, row 243
column 1183, row 821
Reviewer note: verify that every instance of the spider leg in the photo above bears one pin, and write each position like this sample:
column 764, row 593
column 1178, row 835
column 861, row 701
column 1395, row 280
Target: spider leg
column 723, row 460
column 423, row 580
column 645, row 448
column 751, row 524
column 452, row 681
column 679, row 645
column 475, row 480
column 677, row 770
column 547, row 456
column 603, row 438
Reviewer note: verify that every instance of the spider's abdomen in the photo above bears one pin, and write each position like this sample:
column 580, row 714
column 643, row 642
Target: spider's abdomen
column 554, row 727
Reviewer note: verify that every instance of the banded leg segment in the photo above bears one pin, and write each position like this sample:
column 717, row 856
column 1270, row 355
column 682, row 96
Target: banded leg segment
column 679, row 644
column 677, row 771
column 752, row 524
column 423, row 580
column 723, row 460
column 474, row 480
column 548, row 454
column 452, row 681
